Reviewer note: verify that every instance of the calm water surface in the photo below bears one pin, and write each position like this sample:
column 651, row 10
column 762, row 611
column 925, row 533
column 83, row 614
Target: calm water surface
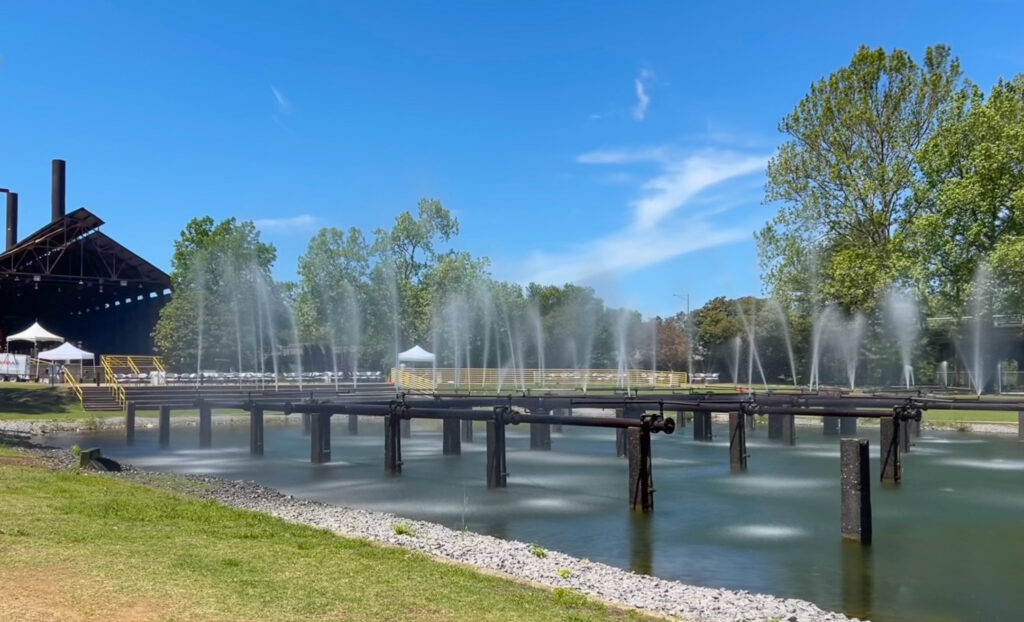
column 948, row 545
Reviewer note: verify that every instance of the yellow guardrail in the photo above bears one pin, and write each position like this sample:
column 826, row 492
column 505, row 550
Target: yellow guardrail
column 427, row 379
column 110, row 379
column 71, row 381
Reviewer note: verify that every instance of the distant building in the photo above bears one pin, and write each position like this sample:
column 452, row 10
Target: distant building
column 78, row 282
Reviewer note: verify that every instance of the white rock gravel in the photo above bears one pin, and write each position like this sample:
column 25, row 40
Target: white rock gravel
column 509, row 557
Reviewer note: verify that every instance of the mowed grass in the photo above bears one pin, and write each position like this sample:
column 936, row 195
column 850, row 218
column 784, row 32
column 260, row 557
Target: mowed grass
column 38, row 401
column 81, row 546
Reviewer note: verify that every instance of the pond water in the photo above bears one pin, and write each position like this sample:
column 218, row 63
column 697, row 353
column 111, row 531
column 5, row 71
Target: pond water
column 948, row 543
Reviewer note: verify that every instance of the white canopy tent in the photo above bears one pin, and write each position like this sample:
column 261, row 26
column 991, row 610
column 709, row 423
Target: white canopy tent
column 414, row 355
column 36, row 334
column 66, row 353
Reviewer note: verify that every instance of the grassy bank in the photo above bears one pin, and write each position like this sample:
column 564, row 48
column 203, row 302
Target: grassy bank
column 81, row 546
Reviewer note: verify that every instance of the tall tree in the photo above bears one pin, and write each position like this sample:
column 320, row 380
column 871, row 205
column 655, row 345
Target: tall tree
column 846, row 173
column 217, row 271
column 971, row 198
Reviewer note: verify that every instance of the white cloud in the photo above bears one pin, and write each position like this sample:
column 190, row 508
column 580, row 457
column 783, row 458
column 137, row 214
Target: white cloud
column 670, row 217
column 629, row 250
column 642, row 98
column 682, row 177
column 301, row 222
column 283, row 105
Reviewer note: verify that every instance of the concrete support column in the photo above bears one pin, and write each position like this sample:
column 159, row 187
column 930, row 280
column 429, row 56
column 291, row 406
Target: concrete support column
column 620, row 436
column 847, row 426
column 830, row 425
column 855, row 473
column 353, row 425
column 1020, row 426
column 129, row 423
column 406, row 427
column 540, row 435
column 892, row 465
column 750, row 422
column 164, row 426
column 641, row 487
column 737, row 442
column 320, row 438
column 497, row 476
column 256, row 431
column 392, row 444
column 905, row 436
column 774, row 427
column 205, row 426
column 467, row 431
column 788, row 429
column 451, row 441
column 702, row 426
column 306, row 424
column 557, row 427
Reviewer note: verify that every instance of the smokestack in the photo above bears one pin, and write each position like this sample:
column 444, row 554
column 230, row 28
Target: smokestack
column 12, row 219
column 57, row 191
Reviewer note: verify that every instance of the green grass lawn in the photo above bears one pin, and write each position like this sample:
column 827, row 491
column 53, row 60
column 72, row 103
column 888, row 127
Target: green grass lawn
column 32, row 401
column 82, row 546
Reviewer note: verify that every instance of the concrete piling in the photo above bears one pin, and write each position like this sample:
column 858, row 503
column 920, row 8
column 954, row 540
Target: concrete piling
column 788, row 423
column 737, row 442
column 540, row 435
column 496, row 473
column 353, row 425
column 406, row 427
column 129, row 422
column 847, row 426
column 164, row 426
column 702, row 426
column 750, row 422
column 830, row 425
column 392, row 444
column 620, row 436
column 205, row 426
column 451, row 440
column 855, row 473
column 467, row 431
column 256, row 431
column 320, row 438
column 892, row 465
column 306, row 425
column 641, row 488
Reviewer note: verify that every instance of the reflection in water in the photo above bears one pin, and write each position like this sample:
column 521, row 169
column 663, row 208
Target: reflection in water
column 947, row 540
column 641, row 552
column 857, row 577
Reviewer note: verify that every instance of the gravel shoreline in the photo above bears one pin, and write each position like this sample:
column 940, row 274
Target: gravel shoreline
column 517, row 560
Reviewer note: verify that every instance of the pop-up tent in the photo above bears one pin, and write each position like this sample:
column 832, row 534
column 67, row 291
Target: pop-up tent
column 36, row 334
column 66, row 353
column 414, row 355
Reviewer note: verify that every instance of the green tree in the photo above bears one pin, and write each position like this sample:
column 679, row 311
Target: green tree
column 845, row 175
column 216, row 271
column 971, row 198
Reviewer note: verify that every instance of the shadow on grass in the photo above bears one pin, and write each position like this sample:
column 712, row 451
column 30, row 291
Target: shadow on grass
column 35, row 401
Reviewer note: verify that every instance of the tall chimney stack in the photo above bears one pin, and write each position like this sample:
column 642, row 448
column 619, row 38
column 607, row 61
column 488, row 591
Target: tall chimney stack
column 12, row 219
column 57, row 191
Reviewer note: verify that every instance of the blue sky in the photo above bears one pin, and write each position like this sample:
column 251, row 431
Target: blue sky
column 619, row 145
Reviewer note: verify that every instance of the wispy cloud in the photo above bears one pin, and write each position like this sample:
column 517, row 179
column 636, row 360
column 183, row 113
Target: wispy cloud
column 643, row 100
column 283, row 105
column 629, row 250
column 670, row 217
column 681, row 176
column 302, row 222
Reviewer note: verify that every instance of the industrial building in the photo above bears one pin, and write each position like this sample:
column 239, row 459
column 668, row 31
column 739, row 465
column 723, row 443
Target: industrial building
column 77, row 281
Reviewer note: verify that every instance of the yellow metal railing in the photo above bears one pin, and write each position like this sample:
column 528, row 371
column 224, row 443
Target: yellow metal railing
column 110, row 379
column 71, row 381
column 426, row 379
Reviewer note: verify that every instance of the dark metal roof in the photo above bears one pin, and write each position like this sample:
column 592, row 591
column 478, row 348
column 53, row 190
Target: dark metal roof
column 72, row 249
column 69, row 266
